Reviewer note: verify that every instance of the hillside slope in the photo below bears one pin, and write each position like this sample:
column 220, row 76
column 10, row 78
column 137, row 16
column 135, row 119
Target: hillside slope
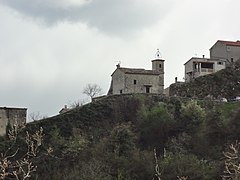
column 224, row 83
column 114, row 138
column 96, row 118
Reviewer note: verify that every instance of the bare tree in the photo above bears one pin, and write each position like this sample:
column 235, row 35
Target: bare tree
column 157, row 172
column 92, row 90
column 77, row 103
column 35, row 116
column 232, row 165
column 21, row 168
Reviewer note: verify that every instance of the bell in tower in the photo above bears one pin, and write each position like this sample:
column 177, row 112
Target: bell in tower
column 158, row 63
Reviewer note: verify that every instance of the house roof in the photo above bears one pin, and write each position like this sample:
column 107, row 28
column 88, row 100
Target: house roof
column 138, row 71
column 196, row 58
column 204, row 60
column 231, row 43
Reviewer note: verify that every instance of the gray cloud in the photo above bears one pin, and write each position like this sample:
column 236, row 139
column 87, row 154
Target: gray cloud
column 45, row 68
column 109, row 16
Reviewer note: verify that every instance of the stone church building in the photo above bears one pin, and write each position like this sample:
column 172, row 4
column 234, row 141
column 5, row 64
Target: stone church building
column 132, row 80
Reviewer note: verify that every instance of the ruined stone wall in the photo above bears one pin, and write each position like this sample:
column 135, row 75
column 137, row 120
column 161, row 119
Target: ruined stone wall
column 11, row 115
column 3, row 121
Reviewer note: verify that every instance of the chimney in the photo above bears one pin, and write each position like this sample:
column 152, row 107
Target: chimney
column 118, row 65
column 65, row 107
column 175, row 79
column 203, row 56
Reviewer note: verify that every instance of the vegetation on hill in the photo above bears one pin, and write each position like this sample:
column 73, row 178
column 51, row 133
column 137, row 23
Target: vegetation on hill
column 224, row 83
column 114, row 138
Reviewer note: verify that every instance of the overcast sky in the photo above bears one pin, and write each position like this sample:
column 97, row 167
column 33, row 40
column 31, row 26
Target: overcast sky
column 50, row 49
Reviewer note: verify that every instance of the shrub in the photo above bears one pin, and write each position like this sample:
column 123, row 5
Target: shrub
column 156, row 126
column 192, row 116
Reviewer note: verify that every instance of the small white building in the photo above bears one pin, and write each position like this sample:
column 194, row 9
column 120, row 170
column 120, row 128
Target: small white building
column 132, row 80
column 64, row 109
column 196, row 67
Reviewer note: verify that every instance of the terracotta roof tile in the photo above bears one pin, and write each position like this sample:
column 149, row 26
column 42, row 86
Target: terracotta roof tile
column 231, row 43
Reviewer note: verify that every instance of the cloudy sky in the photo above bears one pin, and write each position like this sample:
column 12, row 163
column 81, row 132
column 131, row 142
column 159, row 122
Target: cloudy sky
column 50, row 49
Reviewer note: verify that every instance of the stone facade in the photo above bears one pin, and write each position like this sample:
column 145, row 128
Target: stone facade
column 226, row 50
column 11, row 115
column 130, row 80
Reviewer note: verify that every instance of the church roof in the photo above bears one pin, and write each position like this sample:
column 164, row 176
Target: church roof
column 139, row 71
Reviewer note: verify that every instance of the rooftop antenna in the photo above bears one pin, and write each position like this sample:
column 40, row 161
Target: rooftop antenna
column 158, row 54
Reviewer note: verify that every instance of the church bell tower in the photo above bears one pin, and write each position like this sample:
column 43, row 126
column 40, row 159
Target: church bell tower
column 158, row 63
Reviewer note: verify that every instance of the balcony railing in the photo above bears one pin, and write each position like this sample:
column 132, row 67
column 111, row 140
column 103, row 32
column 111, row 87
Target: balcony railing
column 206, row 70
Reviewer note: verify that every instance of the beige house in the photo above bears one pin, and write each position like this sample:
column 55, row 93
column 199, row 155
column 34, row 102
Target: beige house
column 222, row 54
column 196, row 67
column 11, row 116
column 132, row 80
column 226, row 50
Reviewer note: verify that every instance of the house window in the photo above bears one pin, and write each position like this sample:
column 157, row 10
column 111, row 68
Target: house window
column 147, row 89
column 120, row 91
column 220, row 62
column 134, row 81
column 160, row 66
column 207, row 65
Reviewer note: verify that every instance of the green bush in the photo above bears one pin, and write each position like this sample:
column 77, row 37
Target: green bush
column 192, row 115
column 173, row 165
column 156, row 126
